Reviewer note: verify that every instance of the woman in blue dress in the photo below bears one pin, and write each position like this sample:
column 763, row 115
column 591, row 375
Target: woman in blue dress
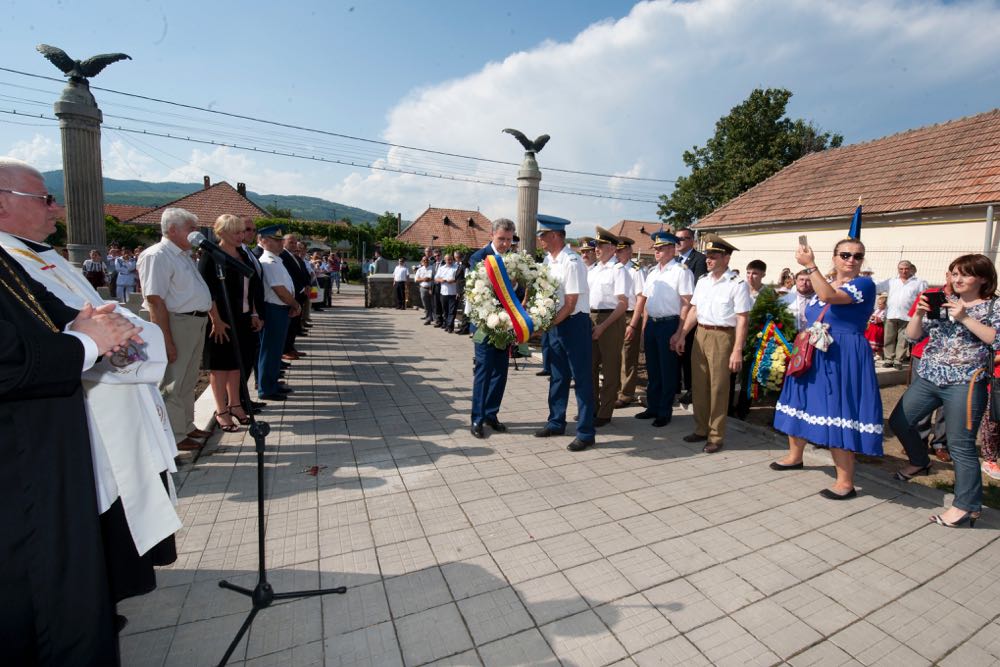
column 836, row 403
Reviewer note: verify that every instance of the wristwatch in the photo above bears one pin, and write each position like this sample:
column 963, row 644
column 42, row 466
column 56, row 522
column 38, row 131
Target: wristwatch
column 811, row 270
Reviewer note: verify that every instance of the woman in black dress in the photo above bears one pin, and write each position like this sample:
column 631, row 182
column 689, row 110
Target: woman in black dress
column 220, row 355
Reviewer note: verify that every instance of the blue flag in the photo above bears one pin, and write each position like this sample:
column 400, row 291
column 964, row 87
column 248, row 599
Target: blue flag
column 855, row 232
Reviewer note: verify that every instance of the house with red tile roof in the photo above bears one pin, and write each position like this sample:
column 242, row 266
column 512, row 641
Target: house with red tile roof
column 208, row 204
column 448, row 226
column 925, row 195
column 639, row 231
column 123, row 212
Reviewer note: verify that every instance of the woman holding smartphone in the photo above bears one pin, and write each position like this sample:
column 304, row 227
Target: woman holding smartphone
column 962, row 338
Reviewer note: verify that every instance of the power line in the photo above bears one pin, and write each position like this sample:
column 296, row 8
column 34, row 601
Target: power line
column 254, row 149
column 337, row 134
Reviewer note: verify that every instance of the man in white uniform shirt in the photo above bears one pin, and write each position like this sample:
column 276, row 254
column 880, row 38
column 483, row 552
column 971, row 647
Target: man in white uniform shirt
column 569, row 337
column 448, row 283
column 659, row 310
column 797, row 299
column 903, row 291
column 609, row 285
column 399, row 277
column 180, row 303
column 280, row 306
column 425, row 281
column 630, row 348
column 720, row 307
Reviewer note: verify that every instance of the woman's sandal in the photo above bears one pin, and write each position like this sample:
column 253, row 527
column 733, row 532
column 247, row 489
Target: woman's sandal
column 968, row 517
column 228, row 428
column 901, row 476
column 243, row 420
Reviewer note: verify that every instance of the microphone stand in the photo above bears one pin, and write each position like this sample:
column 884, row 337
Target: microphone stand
column 262, row 595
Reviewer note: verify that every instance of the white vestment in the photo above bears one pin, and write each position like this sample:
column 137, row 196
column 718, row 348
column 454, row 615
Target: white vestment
column 131, row 439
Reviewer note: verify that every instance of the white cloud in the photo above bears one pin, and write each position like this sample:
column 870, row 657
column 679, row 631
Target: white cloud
column 42, row 152
column 627, row 97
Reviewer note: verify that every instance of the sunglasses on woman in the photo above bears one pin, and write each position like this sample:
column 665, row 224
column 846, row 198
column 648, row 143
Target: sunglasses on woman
column 858, row 256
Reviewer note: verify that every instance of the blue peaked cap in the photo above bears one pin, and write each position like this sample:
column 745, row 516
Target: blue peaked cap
column 550, row 223
column 663, row 238
column 274, row 231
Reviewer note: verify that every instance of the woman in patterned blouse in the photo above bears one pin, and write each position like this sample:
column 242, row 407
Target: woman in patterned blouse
column 952, row 374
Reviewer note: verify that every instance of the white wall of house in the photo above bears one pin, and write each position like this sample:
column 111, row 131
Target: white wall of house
column 929, row 240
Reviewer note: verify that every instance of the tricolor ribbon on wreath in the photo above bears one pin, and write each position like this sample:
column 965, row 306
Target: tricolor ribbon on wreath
column 769, row 359
column 496, row 272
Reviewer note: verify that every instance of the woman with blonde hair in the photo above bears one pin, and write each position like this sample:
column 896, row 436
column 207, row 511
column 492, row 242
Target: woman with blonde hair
column 836, row 403
column 220, row 354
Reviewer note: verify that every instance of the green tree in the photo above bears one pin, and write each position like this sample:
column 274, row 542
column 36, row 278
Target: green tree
column 752, row 142
column 386, row 227
column 275, row 212
column 392, row 248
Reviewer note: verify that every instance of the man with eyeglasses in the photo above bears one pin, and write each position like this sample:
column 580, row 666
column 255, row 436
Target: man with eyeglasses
column 688, row 256
column 903, row 291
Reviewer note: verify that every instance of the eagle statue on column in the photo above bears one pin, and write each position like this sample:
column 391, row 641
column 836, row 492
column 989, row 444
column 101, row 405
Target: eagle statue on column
column 79, row 71
column 529, row 146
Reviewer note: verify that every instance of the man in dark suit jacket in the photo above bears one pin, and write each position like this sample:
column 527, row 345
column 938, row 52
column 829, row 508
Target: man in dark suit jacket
column 689, row 256
column 489, row 365
column 300, row 281
column 251, row 257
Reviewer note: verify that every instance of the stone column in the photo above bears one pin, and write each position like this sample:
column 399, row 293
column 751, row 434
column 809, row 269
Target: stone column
column 528, row 178
column 80, row 126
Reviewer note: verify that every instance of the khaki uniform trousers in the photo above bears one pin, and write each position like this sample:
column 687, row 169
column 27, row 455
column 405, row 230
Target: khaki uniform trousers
column 607, row 360
column 710, row 381
column 895, row 346
column 180, row 377
column 630, row 362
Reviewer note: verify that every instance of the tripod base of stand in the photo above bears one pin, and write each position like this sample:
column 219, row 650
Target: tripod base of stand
column 262, row 596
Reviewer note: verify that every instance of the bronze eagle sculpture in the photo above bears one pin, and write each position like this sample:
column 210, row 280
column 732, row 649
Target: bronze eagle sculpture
column 79, row 70
column 529, row 146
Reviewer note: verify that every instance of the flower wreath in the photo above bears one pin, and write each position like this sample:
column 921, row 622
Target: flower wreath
column 499, row 316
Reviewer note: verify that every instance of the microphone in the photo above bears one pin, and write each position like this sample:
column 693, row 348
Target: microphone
column 198, row 240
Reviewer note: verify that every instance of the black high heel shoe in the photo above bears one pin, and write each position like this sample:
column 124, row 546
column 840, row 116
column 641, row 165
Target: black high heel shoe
column 900, row 476
column 968, row 517
column 245, row 420
column 228, row 428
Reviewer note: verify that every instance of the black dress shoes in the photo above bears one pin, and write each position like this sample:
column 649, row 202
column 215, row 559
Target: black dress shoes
column 579, row 445
column 477, row 431
column 646, row 414
column 661, row 421
column 496, row 425
column 546, row 432
column 685, row 398
column 543, row 374
column 694, row 437
column 781, row 466
column 274, row 397
column 833, row 495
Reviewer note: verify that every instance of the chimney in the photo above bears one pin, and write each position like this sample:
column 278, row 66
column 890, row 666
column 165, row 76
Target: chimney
column 208, row 182
column 241, row 188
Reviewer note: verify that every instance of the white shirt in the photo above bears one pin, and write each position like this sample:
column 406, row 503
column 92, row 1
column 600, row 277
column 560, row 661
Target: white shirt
column 796, row 304
column 571, row 273
column 446, row 273
column 400, row 274
column 638, row 279
column 168, row 272
column 275, row 275
column 424, row 273
column 607, row 281
column 664, row 287
column 719, row 301
column 901, row 296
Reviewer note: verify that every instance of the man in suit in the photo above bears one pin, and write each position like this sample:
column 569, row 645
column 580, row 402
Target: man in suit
column 256, row 298
column 694, row 260
column 489, row 364
column 300, row 281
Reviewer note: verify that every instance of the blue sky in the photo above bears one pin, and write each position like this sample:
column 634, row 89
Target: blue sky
column 622, row 89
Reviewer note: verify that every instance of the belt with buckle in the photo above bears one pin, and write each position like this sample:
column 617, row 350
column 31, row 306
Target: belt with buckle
column 602, row 311
column 665, row 318
column 195, row 313
column 712, row 327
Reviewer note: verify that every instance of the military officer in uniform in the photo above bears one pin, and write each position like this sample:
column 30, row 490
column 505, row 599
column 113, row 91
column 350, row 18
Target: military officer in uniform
column 569, row 337
column 610, row 286
column 720, row 307
column 659, row 310
column 694, row 260
column 630, row 349
column 587, row 246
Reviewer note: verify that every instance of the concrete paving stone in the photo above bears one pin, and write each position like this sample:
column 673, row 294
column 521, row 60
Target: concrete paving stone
column 502, row 534
column 306, row 655
column 550, row 598
column 610, row 538
column 342, row 514
column 432, row 498
column 181, row 571
column 569, row 550
column 354, row 568
column 158, row 609
column 683, row 555
column 495, row 614
column 642, row 567
column 284, row 626
column 969, row 654
column 392, row 504
column 403, row 557
column 523, row 562
column 526, row 462
column 863, row 585
column 683, row 604
column 832, row 552
column 204, row 642
column 583, row 515
column 869, row 645
column 339, row 493
column 775, row 627
column 675, row 651
column 636, row 623
column 373, row 646
column 486, row 510
column 988, row 639
column 927, row 622
column 396, row 528
column 750, row 532
column 421, row 479
column 526, row 502
column 647, row 528
column 471, row 489
column 359, row 607
column 432, row 634
column 815, row 608
column 473, row 576
column 793, row 559
column 599, row 582
column 926, row 553
column 511, row 483
column 543, row 478
column 524, row 648
column 595, row 489
column 972, row 583
column 582, row 639
column 870, row 529
column 146, row 649
column 457, row 472
column 721, row 545
column 726, row 589
column 416, row 591
column 762, row 574
column 456, row 545
column 725, row 643
column 618, row 506
column 341, row 539
column 443, row 520
column 466, row 659
column 564, row 494
column 292, row 550
column 825, row 654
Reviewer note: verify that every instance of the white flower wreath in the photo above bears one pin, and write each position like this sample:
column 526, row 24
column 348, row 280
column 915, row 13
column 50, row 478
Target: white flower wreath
column 492, row 322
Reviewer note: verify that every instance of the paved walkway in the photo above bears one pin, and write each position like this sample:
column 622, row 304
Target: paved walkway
column 513, row 551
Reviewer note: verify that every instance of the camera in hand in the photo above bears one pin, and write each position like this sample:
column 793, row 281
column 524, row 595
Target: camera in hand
column 936, row 301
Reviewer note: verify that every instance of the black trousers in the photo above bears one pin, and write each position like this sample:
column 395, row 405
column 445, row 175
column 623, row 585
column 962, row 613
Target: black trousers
column 448, row 305
column 438, row 305
column 684, row 368
column 400, row 288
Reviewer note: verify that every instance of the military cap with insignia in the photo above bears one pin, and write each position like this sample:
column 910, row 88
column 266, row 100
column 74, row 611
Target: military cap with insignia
column 625, row 242
column 272, row 232
column 663, row 238
column 715, row 243
column 604, row 236
column 586, row 243
column 550, row 223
